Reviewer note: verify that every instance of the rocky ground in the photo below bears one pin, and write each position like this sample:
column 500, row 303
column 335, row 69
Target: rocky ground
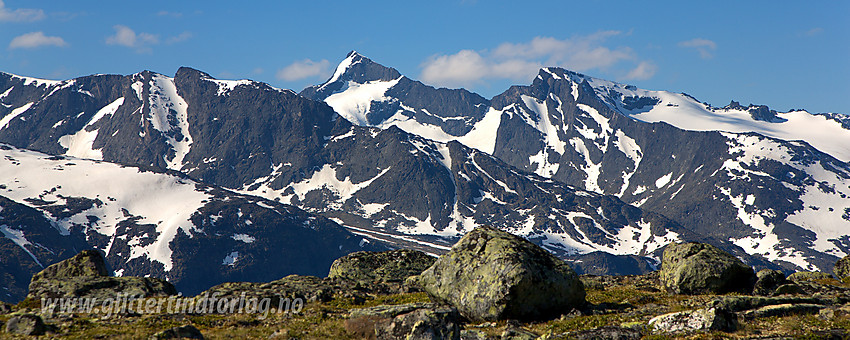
column 490, row 286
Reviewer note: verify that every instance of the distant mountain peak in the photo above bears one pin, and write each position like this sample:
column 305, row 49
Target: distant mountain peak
column 354, row 68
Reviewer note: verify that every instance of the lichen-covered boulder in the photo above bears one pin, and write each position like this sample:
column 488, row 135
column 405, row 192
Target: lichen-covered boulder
column 87, row 263
column 699, row 268
column 809, row 276
column 842, row 268
column 306, row 288
column 421, row 324
column 85, row 275
column 25, row 324
column 492, row 275
column 767, row 280
column 715, row 319
column 385, row 266
column 406, row 321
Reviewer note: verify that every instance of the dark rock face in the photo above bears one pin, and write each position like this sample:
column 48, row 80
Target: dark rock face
column 492, row 275
column 25, row 324
column 388, row 266
column 602, row 263
column 694, row 268
column 20, row 259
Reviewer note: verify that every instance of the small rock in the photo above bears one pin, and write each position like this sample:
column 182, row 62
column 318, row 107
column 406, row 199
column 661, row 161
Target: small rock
column 789, row 289
column 782, row 310
column 5, row 308
column 699, row 268
column 701, row 319
column 492, row 275
column 25, row 324
column 767, row 280
column 809, row 276
column 421, row 324
column 607, row 333
column 280, row 334
column 182, row 332
column 473, row 334
column 388, row 311
column 518, row 333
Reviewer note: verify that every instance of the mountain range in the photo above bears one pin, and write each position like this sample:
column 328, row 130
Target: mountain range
column 203, row 181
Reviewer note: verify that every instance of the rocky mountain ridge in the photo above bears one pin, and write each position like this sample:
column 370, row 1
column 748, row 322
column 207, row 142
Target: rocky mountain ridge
column 746, row 175
column 399, row 164
column 386, row 185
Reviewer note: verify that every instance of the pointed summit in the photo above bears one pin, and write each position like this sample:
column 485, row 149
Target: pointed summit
column 354, row 68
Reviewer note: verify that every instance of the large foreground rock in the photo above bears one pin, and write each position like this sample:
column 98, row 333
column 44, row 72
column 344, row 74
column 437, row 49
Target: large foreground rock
column 699, row 268
column 86, row 275
column 385, row 266
column 493, row 275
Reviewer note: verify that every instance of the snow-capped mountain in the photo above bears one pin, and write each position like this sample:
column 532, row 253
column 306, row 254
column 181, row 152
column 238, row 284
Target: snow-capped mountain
column 151, row 223
column 387, row 185
column 775, row 184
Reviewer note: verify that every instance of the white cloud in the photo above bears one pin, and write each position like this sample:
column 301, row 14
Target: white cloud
column 644, row 70
column 813, row 32
column 463, row 68
column 521, row 61
column 705, row 47
column 169, row 14
column 180, row 37
column 36, row 39
column 125, row 36
column 20, row 14
column 304, row 69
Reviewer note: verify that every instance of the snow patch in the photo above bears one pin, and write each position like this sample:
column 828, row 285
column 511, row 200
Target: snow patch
column 12, row 115
column 81, row 144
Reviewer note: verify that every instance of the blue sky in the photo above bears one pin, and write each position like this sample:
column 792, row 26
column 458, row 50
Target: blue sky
column 784, row 54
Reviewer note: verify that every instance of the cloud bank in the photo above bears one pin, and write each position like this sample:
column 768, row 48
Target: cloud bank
column 520, row 61
column 304, row 69
column 705, row 47
column 36, row 39
column 20, row 15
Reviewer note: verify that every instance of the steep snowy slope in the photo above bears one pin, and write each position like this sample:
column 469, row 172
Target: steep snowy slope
column 825, row 132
